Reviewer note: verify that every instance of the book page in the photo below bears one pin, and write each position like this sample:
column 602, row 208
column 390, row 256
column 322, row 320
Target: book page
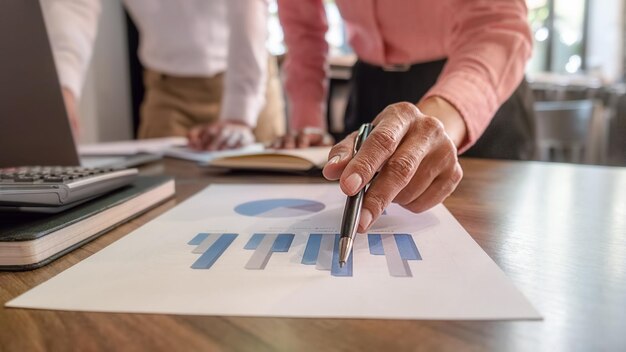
column 318, row 156
column 271, row 250
column 207, row 156
column 275, row 159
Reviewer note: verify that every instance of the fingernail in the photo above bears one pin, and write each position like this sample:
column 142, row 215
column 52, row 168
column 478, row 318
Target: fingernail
column 335, row 159
column 353, row 182
column 366, row 218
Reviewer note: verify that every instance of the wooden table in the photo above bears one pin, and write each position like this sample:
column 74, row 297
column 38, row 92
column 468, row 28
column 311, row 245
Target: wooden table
column 558, row 231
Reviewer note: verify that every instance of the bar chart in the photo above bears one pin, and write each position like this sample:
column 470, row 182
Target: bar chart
column 264, row 245
column 204, row 258
column 321, row 251
column 398, row 249
column 279, row 208
column 211, row 246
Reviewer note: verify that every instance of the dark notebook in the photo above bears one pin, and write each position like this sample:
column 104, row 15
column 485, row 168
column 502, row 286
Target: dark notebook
column 30, row 240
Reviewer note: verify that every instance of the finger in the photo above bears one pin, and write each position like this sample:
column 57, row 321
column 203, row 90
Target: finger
column 219, row 140
column 193, row 138
column 289, row 142
column 397, row 172
column 319, row 140
column 247, row 138
column 276, row 143
column 442, row 158
column 233, row 141
column 338, row 157
column 327, row 140
column 316, row 140
column 206, row 138
column 382, row 142
column 75, row 125
column 303, row 140
column 439, row 190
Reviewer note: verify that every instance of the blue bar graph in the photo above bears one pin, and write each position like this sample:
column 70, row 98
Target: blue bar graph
column 198, row 239
column 335, row 270
column 254, row 241
column 376, row 244
column 322, row 250
column 398, row 249
column 312, row 249
column 406, row 246
column 214, row 251
column 264, row 245
column 283, row 242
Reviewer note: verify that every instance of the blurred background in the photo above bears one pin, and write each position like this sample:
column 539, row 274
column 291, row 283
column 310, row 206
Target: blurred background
column 576, row 72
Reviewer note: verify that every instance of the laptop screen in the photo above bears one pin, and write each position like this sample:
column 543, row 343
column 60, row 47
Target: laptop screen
column 34, row 129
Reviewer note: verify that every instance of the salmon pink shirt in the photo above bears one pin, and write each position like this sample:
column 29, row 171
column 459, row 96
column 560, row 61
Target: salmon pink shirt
column 486, row 43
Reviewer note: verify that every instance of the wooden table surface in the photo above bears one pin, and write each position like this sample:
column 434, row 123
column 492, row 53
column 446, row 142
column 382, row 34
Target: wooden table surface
column 558, row 231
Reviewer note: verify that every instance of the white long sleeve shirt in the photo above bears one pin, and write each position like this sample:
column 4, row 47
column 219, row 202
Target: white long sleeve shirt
column 190, row 38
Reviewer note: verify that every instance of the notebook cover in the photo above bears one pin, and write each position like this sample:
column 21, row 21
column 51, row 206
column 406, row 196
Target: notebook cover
column 29, row 226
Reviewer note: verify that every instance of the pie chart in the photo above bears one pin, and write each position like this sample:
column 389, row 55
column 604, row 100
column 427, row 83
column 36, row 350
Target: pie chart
column 279, row 208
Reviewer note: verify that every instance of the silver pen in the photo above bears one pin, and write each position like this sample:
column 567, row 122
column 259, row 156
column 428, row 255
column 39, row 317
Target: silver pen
column 352, row 210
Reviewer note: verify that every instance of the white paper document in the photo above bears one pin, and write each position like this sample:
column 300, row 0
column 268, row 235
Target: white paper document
column 206, row 156
column 132, row 147
column 271, row 250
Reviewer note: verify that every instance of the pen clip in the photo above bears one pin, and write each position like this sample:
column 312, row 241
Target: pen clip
column 364, row 131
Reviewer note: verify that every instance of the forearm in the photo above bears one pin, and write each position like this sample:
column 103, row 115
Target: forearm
column 72, row 27
column 306, row 84
column 450, row 117
column 488, row 51
column 246, row 73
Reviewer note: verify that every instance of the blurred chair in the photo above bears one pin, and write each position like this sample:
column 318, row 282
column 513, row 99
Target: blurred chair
column 564, row 131
column 617, row 131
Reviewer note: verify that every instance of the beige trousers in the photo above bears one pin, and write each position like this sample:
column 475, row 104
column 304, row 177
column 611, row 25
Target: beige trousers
column 173, row 105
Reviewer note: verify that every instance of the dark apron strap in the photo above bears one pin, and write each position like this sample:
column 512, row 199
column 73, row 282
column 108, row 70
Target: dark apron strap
column 510, row 135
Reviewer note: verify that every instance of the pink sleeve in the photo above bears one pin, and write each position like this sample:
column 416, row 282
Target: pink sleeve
column 305, row 25
column 488, row 49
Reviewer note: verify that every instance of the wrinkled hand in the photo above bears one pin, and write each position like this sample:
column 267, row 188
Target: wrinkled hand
column 416, row 160
column 72, row 112
column 308, row 137
column 220, row 135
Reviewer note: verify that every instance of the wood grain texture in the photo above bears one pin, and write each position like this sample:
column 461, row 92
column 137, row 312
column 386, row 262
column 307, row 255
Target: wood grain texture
column 558, row 231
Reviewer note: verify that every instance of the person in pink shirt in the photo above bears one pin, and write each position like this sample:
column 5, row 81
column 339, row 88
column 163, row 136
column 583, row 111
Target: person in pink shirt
column 437, row 78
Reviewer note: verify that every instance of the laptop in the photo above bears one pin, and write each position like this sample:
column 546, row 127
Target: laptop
column 40, row 170
column 34, row 127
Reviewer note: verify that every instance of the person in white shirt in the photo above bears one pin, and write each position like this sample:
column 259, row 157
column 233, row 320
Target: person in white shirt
column 206, row 67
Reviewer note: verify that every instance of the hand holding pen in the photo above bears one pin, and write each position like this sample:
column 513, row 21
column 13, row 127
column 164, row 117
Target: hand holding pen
column 415, row 159
column 352, row 209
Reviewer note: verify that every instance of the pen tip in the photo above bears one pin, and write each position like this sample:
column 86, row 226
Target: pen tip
column 341, row 263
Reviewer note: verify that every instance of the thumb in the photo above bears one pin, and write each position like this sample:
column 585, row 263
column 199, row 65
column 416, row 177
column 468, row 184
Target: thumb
column 338, row 157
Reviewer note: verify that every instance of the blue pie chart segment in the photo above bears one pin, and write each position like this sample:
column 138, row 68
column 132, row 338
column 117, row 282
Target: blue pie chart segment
column 279, row 208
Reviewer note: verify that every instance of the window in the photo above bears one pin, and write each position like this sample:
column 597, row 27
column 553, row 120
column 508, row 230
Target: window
column 558, row 27
column 336, row 35
column 559, row 31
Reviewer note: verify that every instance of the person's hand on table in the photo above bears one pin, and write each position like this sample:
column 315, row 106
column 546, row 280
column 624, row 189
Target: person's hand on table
column 414, row 156
column 220, row 135
column 72, row 112
column 307, row 137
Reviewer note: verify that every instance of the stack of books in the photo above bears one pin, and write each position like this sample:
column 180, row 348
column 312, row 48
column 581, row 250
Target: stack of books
column 30, row 240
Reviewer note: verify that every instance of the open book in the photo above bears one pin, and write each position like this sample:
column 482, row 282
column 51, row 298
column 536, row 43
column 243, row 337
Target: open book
column 255, row 157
